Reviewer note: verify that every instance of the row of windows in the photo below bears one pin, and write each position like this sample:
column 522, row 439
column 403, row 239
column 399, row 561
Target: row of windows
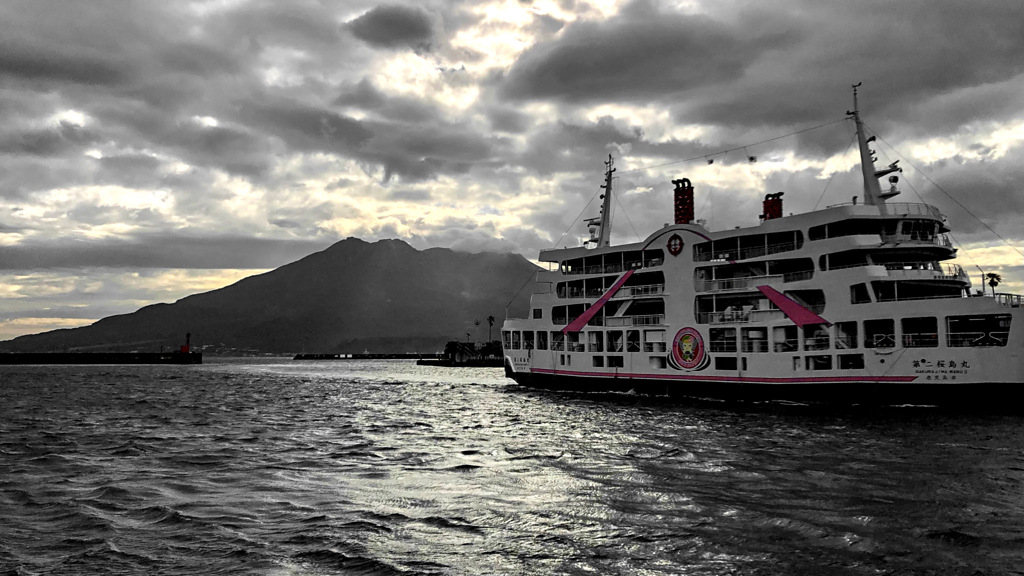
column 981, row 330
column 613, row 262
column 915, row 332
column 590, row 341
column 810, row 362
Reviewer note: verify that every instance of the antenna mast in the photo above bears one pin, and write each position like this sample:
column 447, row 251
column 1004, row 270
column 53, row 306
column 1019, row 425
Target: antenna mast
column 606, row 207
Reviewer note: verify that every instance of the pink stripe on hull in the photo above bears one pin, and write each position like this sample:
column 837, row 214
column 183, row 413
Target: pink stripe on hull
column 736, row 379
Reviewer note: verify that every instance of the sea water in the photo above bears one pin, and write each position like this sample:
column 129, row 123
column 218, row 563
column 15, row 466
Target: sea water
column 355, row 467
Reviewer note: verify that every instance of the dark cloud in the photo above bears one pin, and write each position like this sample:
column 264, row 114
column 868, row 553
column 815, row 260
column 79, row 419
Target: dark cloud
column 39, row 62
column 305, row 127
column 365, row 96
column 161, row 251
column 47, row 141
column 645, row 54
column 395, row 26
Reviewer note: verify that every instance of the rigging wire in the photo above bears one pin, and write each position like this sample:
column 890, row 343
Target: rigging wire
column 834, row 172
column 948, row 195
column 531, row 277
column 624, row 213
column 576, row 219
column 723, row 152
column 959, row 244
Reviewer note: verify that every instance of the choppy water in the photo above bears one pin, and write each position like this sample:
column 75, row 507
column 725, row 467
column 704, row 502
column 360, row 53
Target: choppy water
column 282, row 467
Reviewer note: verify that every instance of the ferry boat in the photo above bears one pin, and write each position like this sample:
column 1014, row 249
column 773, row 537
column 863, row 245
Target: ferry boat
column 855, row 303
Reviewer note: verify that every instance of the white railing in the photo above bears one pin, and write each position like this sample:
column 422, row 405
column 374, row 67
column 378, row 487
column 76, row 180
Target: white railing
column 745, row 282
column 644, row 320
column 908, row 208
column 644, row 290
column 971, row 339
column 745, row 253
column 1010, row 300
column 737, row 316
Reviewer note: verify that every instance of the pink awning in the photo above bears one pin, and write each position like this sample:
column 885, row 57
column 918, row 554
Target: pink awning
column 578, row 324
column 798, row 314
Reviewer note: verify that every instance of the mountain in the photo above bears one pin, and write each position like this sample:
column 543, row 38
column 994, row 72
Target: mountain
column 384, row 296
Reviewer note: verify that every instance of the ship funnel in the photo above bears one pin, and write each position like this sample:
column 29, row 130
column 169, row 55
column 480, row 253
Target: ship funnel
column 772, row 206
column 683, row 201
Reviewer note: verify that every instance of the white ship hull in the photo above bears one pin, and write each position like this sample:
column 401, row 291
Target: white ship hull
column 851, row 304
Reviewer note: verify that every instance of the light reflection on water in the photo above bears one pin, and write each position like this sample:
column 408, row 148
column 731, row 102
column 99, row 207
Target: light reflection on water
column 384, row 467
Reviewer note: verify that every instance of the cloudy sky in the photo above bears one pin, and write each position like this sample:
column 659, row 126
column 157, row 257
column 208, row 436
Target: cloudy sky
column 150, row 150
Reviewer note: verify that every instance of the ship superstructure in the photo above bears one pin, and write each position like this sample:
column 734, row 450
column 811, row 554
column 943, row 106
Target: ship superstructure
column 853, row 303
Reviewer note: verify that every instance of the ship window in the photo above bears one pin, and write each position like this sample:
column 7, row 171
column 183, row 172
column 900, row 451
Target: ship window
column 657, row 361
column 572, row 343
column 654, row 341
column 598, row 361
column 632, row 260
column 880, row 333
column 785, row 338
column 859, row 294
column 846, row 335
column 819, row 362
column 559, row 315
column 755, row 339
column 920, row 332
column 557, row 341
column 722, row 339
column 542, row 340
column 538, row 313
column 595, row 342
column 851, row 361
column 817, row 232
column 816, row 338
column 725, row 363
column 632, row 341
column 528, row 340
column 653, row 258
column 573, row 266
column 615, row 362
column 561, row 359
column 980, row 330
column 516, row 336
column 615, row 343
column 506, row 337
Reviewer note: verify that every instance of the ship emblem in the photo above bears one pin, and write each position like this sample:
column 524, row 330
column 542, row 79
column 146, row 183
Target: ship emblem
column 688, row 350
column 675, row 245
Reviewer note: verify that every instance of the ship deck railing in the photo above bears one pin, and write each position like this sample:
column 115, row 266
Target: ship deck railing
column 933, row 240
column 640, row 320
column 744, row 253
column 642, row 290
column 1010, row 300
column 617, row 268
column 748, row 282
column 738, row 316
column 900, row 208
column 973, row 339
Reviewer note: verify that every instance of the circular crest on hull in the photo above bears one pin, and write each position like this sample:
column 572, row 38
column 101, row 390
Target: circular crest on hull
column 688, row 352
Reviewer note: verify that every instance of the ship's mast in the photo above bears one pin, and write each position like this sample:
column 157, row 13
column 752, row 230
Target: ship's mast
column 604, row 236
column 873, row 194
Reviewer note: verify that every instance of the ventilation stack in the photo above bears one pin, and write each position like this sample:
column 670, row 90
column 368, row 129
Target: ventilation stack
column 772, row 206
column 683, row 201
